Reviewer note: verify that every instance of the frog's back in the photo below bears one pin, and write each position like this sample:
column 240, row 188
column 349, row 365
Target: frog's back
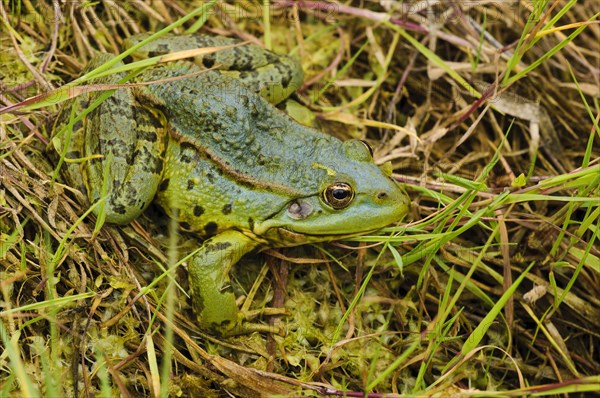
column 234, row 161
column 241, row 132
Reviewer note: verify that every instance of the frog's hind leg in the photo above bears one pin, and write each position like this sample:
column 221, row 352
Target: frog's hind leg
column 273, row 76
column 69, row 134
column 124, row 143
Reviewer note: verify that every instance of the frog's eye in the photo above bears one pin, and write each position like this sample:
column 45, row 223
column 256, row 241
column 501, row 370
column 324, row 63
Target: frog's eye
column 338, row 195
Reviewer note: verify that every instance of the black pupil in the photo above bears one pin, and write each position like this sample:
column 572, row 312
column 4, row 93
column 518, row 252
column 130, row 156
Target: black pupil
column 339, row 194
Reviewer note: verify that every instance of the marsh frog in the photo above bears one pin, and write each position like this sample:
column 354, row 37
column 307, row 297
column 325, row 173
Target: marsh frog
column 216, row 154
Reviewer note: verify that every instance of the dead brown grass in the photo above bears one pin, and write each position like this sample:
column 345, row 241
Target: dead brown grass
column 502, row 168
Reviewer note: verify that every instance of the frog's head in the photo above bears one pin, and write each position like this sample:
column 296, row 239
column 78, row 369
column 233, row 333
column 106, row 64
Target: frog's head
column 353, row 196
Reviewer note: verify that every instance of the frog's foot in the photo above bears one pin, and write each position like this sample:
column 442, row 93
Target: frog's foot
column 241, row 322
column 246, row 326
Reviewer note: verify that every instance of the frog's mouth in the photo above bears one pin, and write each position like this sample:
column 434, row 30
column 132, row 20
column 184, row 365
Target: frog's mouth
column 308, row 219
column 289, row 237
column 278, row 231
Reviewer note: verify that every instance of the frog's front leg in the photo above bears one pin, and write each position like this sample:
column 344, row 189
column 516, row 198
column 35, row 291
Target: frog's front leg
column 213, row 301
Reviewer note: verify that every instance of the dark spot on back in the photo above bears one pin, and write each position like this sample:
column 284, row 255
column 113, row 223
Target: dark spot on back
column 161, row 49
column 211, row 228
column 120, row 209
column 285, row 82
column 185, row 146
column 251, row 223
column 190, row 185
column 150, row 136
column 271, row 58
column 286, row 76
column 213, row 247
column 186, row 152
column 198, row 210
column 227, row 208
column 164, row 185
column 129, row 158
column 185, row 159
column 155, row 166
column 185, row 225
column 208, row 62
column 242, row 64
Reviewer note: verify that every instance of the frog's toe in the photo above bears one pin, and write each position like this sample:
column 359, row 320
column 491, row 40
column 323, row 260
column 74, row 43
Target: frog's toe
column 243, row 324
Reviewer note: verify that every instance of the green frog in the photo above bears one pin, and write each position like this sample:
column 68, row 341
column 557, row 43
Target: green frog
column 215, row 153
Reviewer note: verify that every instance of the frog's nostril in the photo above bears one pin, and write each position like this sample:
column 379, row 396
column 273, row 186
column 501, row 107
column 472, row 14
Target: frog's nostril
column 381, row 195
